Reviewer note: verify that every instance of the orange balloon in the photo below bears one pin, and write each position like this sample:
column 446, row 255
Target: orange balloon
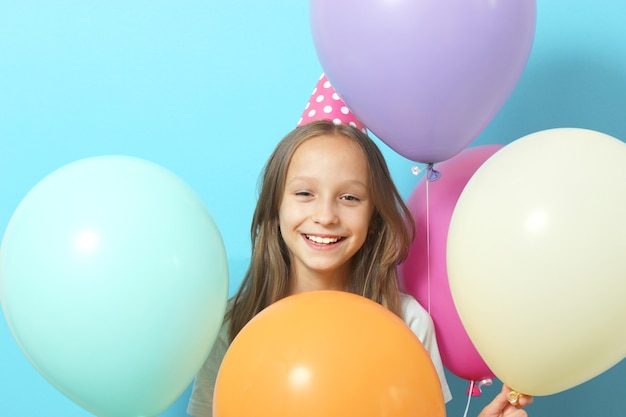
column 327, row 353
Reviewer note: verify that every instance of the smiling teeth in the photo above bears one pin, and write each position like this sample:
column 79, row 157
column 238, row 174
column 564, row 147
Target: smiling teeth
column 324, row 240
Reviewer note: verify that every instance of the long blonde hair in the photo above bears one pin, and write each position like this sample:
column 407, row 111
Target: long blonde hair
column 375, row 264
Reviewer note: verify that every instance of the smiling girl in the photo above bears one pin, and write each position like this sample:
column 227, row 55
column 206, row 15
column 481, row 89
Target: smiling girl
column 328, row 217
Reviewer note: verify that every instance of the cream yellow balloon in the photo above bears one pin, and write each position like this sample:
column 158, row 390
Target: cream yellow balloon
column 536, row 259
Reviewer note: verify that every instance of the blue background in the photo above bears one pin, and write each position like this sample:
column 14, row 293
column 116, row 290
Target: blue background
column 207, row 88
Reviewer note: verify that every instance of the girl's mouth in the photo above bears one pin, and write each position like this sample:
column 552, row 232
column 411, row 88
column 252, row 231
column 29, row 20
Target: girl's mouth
column 323, row 240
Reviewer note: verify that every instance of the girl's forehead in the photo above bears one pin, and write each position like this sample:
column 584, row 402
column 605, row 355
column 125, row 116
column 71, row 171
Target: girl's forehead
column 330, row 144
column 329, row 160
column 332, row 148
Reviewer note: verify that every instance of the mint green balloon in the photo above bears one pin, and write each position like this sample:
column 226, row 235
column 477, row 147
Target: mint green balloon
column 114, row 282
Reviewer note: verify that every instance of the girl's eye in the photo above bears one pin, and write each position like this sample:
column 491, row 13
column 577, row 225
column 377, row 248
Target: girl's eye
column 303, row 194
column 349, row 197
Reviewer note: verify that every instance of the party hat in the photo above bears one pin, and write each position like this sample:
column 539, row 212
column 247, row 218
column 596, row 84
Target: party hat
column 325, row 104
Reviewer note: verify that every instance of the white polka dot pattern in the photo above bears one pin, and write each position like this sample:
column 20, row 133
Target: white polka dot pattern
column 326, row 104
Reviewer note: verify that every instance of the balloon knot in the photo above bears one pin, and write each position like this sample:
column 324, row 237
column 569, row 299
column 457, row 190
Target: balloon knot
column 432, row 175
column 475, row 388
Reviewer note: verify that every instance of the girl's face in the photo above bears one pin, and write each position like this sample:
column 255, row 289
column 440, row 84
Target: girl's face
column 325, row 210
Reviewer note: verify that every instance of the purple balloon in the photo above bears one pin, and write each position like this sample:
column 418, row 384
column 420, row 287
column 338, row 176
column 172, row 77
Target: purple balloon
column 425, row 76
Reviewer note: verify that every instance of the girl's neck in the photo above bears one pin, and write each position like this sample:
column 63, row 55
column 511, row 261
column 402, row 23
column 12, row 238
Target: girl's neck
column 316, row 282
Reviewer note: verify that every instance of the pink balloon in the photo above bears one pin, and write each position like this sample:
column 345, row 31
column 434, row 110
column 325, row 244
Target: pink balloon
column 432, row 214
column 426, row 77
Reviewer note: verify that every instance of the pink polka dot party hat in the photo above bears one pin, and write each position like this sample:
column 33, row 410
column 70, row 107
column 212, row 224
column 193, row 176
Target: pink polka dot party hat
column 326, row 104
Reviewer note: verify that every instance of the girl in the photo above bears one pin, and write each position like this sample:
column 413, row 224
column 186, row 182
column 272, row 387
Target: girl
column 328, row 217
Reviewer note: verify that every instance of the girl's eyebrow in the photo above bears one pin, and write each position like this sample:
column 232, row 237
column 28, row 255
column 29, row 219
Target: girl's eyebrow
column 302, row 178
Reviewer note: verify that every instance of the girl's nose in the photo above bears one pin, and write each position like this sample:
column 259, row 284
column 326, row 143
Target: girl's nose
column 325, row 213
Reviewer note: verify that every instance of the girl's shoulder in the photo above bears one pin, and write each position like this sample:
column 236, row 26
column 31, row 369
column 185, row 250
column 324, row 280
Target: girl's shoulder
column 413, row 312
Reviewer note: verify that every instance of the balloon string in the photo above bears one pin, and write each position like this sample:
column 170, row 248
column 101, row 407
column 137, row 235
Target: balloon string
column 428, row 243
column 469, row 398
column 431, row 175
